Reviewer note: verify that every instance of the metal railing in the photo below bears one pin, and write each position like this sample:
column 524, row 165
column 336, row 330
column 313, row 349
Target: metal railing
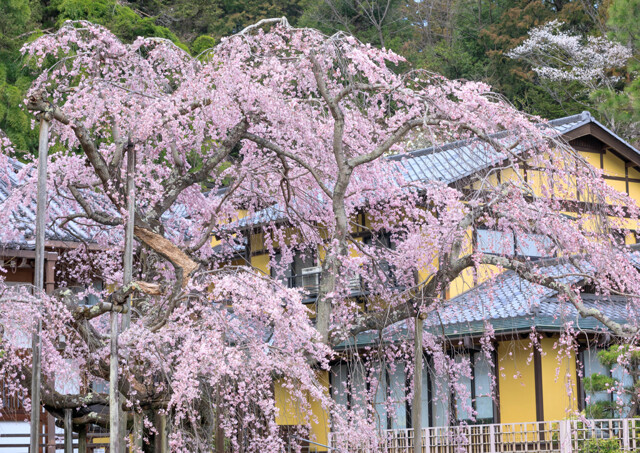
column 310, row 282
column 562, row 436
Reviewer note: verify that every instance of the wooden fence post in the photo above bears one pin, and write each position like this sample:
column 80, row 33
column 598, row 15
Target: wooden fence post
column 566, row 444
column 492, row 439
column 625, row 435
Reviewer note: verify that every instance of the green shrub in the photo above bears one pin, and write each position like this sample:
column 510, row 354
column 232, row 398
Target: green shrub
column 601, row 446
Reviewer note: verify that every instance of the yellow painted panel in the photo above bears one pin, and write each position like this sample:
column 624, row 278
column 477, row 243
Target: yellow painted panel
column 239, row 262
column 517, row 382
column 240, row 214
column 535, row 180
column 559, row 391
column 290, row 412
column 354, row 251
column 423, row 275
column 629, row 224
column 633, row 173
column 322, row 254
column 634, row 191
column 491, row 181
column 464, row 282
column 485, row 272
column 564, row 189
column 613, row 165
column 510, row 174
column 620, row 186
column 257, row 242
column 469, row 278
column 592, row 158
column 261, row 262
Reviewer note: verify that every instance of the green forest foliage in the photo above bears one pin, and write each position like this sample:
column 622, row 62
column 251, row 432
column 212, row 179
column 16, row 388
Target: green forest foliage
column 457, row 38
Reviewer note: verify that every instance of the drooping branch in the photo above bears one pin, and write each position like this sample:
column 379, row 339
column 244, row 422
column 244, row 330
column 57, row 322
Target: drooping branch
column 393, row 139
column 99, row 164
column 284, row 153
column 178, row 183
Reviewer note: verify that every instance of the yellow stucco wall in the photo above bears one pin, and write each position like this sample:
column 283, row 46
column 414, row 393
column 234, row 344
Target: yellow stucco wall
column 290, row 412
column 516, row 381
column 261, row 262
column 559, row 390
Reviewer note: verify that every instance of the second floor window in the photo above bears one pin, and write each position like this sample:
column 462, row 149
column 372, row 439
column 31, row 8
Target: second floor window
column 303, row 272
column 505, row 243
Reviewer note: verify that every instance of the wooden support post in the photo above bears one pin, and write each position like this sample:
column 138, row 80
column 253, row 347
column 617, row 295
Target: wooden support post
column 50, row 272
column 219, row 433
column 51, row 434
column 68, row 432
column 36, row 342
column 164, row 439
column 219, row 437
column 82, row 439
column 114, row 393
column 49, row 286
column 128, row 236
column 128, row 263
column 161, row 444
column 416, row 408
column 138, row 433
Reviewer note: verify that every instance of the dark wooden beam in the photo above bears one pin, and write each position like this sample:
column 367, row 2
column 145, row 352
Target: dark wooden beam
column 537, row 369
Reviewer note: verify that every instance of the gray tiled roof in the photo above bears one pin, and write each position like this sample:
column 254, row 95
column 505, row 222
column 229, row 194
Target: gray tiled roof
column 457, row 160
column 509, row 301
column 448, row 163
column 505, row 296
column 24, row 221
column 511, row 304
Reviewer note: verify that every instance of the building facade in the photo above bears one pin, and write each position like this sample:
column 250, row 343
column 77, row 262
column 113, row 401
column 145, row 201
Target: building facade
column 531, row 376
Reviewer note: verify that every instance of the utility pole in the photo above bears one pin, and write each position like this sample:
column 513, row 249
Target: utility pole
column 36, row 341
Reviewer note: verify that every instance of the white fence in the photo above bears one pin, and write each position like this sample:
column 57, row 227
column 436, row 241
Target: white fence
column 563, row 436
